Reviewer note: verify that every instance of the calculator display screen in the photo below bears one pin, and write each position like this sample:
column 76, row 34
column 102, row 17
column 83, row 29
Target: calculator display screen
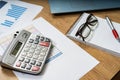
column 16, row 48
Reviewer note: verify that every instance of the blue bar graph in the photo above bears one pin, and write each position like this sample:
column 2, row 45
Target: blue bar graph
column 7, row 23
column 14, row 12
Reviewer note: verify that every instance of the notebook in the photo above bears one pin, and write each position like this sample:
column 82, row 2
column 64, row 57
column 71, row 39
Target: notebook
column 66, row 6
column 101, row 37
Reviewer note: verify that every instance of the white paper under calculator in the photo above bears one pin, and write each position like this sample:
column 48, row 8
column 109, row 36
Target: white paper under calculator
column 67, row 60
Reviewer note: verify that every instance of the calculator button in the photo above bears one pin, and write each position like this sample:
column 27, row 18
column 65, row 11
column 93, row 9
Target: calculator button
column 28, row 67
column 31, row 41
column 23, row 65
column 26, row 49
column 41, row 58
column 35, row 56
column 42, row 53
column 38, row 48
column 41, row 38
column 44, row 49
column 32, row 50
column 33, row 62
column 38, row 37
column 44, row 44
column 37, row 53
column 47, row 40
column 21, row 59
column 18, row 64
column 27, row 60
column 35, row 68
column 38, row 63
column 24, row 54
column 33, row 46
column 36, row 41
column 29, row 55
column 28, row 45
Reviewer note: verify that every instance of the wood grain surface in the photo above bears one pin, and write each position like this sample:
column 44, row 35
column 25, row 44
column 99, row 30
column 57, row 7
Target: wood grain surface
column 109, row 64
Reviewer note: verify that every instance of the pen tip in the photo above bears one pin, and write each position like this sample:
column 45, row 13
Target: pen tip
column 119, row 40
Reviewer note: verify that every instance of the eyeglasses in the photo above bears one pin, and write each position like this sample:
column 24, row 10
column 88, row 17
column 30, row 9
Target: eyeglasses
column 85, row 31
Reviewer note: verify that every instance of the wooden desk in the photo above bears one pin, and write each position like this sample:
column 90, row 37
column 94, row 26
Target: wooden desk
column 109, row 65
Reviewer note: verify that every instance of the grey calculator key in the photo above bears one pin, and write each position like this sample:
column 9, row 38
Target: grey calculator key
column 28, row 45
column 42, row 38
column 29, row 55
column 31, row 40
column 23, row 65
column 26, row 49
column 37, row 37
column 37, row 52
column 38, row 47
column 33, row 62
column 33, row 46
column 41, row 58
column 43, row 53
column 47, row 40
column 21, row 59
column 38, row 63
column 28, row 67
column 24, row 53
column 36, row 41
column 27, row 60
column 32, row 50
column 44, row 49
column 35, row 56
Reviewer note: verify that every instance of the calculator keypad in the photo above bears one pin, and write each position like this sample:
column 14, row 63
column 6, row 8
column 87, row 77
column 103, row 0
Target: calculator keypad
column 34, row 53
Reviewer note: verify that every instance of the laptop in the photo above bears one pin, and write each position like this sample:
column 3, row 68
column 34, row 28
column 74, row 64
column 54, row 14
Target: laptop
column 67, row 6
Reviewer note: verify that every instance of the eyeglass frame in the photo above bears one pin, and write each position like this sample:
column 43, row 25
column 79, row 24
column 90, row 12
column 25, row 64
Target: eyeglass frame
column 84, row 25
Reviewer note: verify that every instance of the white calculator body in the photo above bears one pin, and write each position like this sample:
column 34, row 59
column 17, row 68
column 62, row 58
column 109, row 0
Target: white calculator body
column 27, row 52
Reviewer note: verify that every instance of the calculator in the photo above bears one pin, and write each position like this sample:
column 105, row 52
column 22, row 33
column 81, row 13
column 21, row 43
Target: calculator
column 27, row 52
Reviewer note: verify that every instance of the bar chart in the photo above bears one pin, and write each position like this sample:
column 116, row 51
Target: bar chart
column 14, row 12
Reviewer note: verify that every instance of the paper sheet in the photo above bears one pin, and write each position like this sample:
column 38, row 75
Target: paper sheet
column 72, row 64
column 16, row 14
column 104, row 38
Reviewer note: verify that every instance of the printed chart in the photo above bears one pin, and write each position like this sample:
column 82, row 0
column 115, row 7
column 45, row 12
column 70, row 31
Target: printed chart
column 16, row 14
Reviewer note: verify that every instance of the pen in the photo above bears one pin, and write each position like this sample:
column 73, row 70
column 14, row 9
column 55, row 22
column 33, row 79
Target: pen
column 113, row 29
